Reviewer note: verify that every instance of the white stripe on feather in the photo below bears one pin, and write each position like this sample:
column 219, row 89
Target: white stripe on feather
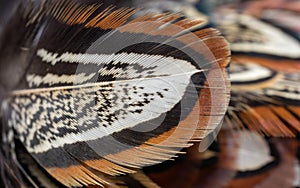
column 283, row 94
column 51, row 79
column 145, row 60
column 253, row 72
column 159, row 65
column 253, row 153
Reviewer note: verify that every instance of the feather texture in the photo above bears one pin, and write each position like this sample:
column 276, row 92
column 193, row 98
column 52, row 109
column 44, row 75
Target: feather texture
column 264, row 104
column 104, row 91
column 258, row 36
column 268, row 101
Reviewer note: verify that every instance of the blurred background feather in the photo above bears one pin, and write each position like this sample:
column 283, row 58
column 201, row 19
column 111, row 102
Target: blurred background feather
column 258, row 145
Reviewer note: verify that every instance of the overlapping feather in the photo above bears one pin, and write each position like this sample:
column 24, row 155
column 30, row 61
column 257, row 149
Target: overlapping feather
column 101, row 92
column 265, row 100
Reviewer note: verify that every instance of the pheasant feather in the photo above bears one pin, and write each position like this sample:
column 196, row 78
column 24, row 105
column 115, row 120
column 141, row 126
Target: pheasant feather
column 102, row 91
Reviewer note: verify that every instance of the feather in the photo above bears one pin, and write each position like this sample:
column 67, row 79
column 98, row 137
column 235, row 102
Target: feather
column 264, row 104
column 187, row 9
column 267, row 99
column 280, row 175
column 101, row 92
column 258, row 36
column 257, row 8
column 212, row 168
column 286, row 20
column 237, row 158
